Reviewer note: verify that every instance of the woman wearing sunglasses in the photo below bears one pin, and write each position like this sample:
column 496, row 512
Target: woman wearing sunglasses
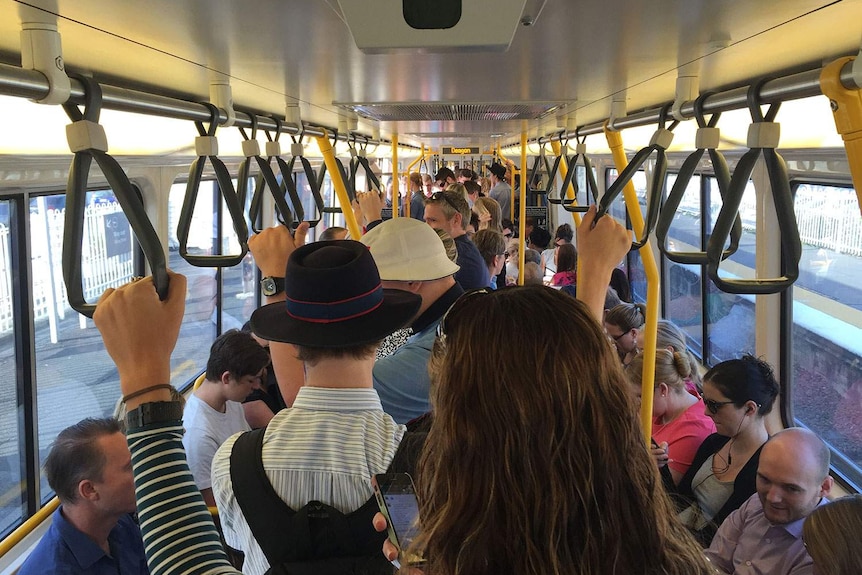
column 738, row 394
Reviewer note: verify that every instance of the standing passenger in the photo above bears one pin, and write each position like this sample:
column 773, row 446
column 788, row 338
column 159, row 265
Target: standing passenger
column 500, row 189
column 417, row 199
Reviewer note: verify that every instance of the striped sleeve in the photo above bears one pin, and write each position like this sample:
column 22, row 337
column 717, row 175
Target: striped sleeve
column 180, row 537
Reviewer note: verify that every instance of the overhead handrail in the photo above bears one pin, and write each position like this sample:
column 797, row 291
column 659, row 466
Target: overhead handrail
column 847, row 113
column 707, row 138
column 532, row 180
column 87, row 141
column 659, row 143
column 314, row 184
column 206, row 146
column 592, row 187
column 357, row 161
column 763, row 137
column 552, row 175
column 287, row 186
column 266, row 179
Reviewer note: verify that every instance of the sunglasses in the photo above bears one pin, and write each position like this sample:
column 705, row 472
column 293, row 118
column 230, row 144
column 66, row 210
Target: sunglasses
column 437, row 196
column 713, row 406
column 441, row 327
column 620, row 336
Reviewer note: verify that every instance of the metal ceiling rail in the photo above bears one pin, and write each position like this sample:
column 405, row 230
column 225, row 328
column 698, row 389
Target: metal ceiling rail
column 792, row 87
column 15, row 81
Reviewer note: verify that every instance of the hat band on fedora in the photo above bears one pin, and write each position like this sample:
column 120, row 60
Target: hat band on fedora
column 335, row 311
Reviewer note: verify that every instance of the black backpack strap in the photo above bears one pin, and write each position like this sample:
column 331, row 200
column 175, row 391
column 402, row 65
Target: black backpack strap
column 268, row 517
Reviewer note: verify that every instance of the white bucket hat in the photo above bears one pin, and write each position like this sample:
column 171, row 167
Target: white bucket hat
column 405, row 249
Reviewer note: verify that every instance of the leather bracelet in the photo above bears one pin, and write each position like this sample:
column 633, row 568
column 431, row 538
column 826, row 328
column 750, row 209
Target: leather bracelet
column 146, row 390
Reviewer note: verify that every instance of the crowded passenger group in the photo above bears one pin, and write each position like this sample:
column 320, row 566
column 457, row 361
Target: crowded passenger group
column 514, row 409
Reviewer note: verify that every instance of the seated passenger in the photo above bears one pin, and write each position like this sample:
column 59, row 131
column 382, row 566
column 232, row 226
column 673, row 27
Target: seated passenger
column 831, row 535
column 563, row 235
column 265, row 399
column 214, row 410
column 679, row 422
column 567, row 266
column 738, row 394
column 92, row 532
column 332, row 233
column 624, row 324
column 533, row 274
column 672, row 338
column 765, row 534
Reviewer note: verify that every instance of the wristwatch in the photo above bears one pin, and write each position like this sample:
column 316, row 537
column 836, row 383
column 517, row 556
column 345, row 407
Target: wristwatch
column 154, row 412
column 272, row 285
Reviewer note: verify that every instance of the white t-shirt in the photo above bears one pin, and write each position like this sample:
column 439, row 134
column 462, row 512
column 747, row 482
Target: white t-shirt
column 205, row 430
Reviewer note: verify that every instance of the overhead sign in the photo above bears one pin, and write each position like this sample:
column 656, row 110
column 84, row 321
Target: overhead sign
column 450, row 151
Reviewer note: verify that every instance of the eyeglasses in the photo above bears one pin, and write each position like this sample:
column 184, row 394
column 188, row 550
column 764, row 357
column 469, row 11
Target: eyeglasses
column 620, row 336
column 441, row 327
column 713, row 406
column 437, row 196
column 507, row 235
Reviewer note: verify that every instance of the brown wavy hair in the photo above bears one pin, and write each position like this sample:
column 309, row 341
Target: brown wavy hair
column 534, row 463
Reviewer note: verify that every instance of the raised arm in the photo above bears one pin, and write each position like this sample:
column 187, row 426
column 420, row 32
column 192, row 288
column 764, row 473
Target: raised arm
column 140, row 333
column 600, row 248
column 271, row 248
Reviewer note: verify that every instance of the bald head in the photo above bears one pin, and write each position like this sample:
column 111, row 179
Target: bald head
column 792, row 475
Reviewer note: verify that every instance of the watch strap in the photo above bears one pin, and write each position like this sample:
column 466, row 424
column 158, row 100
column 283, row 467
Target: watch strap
column 154, row 413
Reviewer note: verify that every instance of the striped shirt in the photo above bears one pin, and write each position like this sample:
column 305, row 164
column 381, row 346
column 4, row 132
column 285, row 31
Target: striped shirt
column 325, row 448
column 179, row 535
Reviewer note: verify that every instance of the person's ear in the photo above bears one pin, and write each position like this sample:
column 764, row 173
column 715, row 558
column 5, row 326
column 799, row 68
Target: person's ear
column 826, row 486
column 226, row 377
column 87, row 491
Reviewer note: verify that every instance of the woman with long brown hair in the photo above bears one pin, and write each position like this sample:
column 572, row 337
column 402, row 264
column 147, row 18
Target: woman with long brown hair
column 540, row 470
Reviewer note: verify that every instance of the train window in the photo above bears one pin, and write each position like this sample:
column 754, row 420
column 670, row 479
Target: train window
column 827, row 321
column 198, row 329
column 11, row 476
column 684, row 282
column 75, row 377
column 730, row 317
column 239, row 283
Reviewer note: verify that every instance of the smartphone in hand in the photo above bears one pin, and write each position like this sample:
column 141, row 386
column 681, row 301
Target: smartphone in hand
column 396, row 497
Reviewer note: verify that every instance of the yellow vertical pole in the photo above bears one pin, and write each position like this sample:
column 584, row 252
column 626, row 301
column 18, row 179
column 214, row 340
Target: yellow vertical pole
column 396, row 188
column 615, row 142
column 847, row 112
column 564, row 169
column 522, row 211
column 340, row 189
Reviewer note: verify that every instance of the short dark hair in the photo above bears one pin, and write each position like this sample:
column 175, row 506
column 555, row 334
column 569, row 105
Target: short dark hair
column 76, row 456
column 467, row 173
column 443, row 175
column 472, row 187
column 330, row 233
column 564, row 232
column 540, row 237
column 313, row 355
column 236, row 352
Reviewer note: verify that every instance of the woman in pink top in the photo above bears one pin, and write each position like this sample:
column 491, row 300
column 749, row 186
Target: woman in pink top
column 679, row 422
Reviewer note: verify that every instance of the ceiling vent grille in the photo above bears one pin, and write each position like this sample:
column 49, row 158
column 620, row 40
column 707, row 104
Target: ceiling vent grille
column 440, row 111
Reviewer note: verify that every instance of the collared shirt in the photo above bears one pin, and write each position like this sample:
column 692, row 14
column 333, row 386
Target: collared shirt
column 502, row 192
column 402, row 378
column 324, row 448
column 748, row 544
column 473, row 273
column 64, row 550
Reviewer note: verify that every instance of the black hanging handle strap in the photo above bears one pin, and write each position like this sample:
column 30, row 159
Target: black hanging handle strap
column 361, row 161
column 552, row 174
column 707, row 138
column 763, row 136
column 296, row 151
column 88, row 142
column 207, row 147
column 659, row 144
column 266, row 178
column 592, row 187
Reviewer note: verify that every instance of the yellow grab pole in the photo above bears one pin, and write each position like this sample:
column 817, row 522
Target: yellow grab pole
column 847, row 111
column 28, row 526
column 522, row 211
column 564, row 169
column 337, row 183
column 396, row 188
column 615, row 142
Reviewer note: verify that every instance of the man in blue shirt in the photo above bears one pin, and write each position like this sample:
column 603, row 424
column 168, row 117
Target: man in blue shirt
column 92, row 532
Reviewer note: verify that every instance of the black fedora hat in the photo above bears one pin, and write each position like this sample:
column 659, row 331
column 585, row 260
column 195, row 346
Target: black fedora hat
column 334, row 299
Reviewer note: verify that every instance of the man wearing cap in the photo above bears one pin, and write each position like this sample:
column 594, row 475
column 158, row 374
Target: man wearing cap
column 500, row 189
column 336, row 435
column 411, row 257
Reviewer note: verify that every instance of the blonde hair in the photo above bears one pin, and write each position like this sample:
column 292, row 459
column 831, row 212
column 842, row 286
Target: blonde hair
column 831, row 535
column 671, row 368
column 449, row 244
column 493, row 207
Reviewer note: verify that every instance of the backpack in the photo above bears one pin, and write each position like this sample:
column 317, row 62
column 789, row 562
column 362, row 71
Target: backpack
column 316, row 539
